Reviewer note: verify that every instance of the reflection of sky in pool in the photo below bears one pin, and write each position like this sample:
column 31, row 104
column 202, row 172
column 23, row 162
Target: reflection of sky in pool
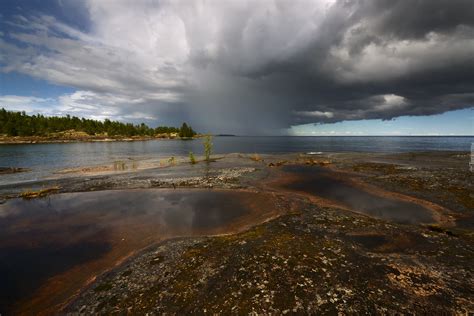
column 41, row 238
column 318, row 182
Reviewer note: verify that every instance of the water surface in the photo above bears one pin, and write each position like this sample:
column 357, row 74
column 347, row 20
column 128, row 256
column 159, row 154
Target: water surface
column 71, row 237
column 319, row 182
column 45, row 158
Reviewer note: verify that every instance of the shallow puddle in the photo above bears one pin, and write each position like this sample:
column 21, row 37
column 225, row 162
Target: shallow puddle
column 51, row 247
column 320, row 182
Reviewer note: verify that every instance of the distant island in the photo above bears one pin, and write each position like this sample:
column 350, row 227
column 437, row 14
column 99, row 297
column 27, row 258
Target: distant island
column 18, row 127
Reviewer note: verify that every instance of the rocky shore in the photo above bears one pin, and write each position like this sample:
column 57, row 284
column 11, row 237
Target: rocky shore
column 10, row 170
column 76, row 137
column 319, row 256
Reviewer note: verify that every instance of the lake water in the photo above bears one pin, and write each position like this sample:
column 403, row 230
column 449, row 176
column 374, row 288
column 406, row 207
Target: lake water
column 43, row 158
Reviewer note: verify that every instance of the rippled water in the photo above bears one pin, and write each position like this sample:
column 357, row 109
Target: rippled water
column 44, row 158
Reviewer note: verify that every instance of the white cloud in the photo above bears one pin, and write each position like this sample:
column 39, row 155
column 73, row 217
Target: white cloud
column 15, row 100
column 28, row 104
column 101, row 106
column 130, row 62
column 390, row 102
column 86, row 104
column 317, row 114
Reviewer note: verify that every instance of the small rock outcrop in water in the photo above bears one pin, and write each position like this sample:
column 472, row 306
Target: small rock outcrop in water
column 9, row 170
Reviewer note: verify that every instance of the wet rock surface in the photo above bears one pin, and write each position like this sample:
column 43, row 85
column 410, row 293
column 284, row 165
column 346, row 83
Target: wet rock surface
column 441, row 177
column 227, row 174
column 311, row 260
column 315, row 259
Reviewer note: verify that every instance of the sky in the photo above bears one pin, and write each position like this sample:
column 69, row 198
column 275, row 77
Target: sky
column 261, row 67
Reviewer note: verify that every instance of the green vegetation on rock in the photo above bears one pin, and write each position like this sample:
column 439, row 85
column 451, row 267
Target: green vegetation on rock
column 192, row 159
column 208, row 147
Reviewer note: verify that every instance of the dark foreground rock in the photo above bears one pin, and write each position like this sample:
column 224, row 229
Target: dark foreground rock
column 311, row 260
column 316, row 258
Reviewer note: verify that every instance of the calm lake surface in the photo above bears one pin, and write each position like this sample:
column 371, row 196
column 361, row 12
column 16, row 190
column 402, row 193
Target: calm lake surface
column 44, row 158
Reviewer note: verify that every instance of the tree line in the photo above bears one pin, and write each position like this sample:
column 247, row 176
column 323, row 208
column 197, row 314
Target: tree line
column 20, row 124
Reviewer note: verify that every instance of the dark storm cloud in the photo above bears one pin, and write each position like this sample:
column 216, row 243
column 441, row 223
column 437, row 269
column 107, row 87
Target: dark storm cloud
column 363, row 60
column 256, row 67
column 415, row 19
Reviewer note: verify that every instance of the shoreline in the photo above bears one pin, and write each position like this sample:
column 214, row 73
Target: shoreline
column 12, row 140
column 18, row 140
column 433, row 179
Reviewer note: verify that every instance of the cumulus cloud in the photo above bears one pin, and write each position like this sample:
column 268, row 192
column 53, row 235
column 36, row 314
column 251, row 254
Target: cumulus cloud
column 101, row 106
column 27, row 104
column 81, row 103
column 253, row 66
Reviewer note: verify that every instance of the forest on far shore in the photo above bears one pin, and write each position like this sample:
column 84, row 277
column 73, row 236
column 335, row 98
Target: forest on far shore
column 20, row 124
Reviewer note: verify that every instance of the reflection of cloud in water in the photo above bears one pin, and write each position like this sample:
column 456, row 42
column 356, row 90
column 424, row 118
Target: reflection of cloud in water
column 319, row 182
column 185, row 209
column 75, row 228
